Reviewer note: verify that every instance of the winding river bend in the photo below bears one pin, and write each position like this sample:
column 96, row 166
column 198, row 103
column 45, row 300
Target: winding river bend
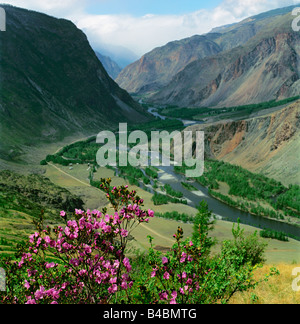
column 220, row 209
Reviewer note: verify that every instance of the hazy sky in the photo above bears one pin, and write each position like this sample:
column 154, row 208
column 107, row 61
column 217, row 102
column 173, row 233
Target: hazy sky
column 141, row 25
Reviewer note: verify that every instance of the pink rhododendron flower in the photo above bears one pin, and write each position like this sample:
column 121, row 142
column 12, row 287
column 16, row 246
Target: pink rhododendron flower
column 92, row 247
column 113, row 289
column 163, row 295
column 150, row 213
column 26, row 284
column 39, row 294
column 165, row 260
column 50, row 265
column 31, row 302
column 124, row 233
column 166, row 275
column 153, row 274
column 127, row 264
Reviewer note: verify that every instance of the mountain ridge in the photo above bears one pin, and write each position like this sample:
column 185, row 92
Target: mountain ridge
column 54, row 86
column 150, row 73
column 265, row 68
column 188, row 86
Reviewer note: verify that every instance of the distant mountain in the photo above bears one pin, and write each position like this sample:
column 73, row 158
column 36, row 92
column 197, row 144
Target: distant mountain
column 156, row 69
column 121, row 55
column 53, row 85
column 248, row 62
column 255, row 23
column 111, row 67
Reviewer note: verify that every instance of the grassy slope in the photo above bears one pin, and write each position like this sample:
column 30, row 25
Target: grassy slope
column 15, row 228
column 21, row 201
column 278, row 290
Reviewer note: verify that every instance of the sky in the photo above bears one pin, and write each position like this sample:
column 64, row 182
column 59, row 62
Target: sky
column 135, row 27
column 157, row 7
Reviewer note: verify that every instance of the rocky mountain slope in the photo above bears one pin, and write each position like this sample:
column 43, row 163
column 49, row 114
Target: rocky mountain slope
column 53, row 85
column 253, row 61
column 269, row 144
column 156, row 69
column 265, row 68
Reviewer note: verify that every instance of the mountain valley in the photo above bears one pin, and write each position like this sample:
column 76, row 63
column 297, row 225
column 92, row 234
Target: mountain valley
column 239, row 84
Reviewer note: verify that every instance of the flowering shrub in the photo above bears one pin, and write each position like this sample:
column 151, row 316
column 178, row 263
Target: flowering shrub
column 85, row 261
column 190, row 275
column 89, row 252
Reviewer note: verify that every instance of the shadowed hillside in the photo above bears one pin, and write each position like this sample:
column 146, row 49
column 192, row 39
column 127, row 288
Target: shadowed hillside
column 53, row 85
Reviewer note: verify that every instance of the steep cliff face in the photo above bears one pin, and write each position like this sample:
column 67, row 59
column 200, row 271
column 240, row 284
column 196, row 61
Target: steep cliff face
column 269, row 144
column 53, row 85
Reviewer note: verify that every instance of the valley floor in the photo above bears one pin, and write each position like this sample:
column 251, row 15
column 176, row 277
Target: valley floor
column 77, row 181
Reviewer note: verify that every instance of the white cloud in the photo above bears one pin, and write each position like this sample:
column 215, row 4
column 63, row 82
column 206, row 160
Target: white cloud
column 142, row 34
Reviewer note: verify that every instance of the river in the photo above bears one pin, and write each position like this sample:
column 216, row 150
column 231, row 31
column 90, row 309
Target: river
column 186, row 123
column 220, row 209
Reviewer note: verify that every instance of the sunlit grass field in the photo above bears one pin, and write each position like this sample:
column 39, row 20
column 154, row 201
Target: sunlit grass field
column 278, row 289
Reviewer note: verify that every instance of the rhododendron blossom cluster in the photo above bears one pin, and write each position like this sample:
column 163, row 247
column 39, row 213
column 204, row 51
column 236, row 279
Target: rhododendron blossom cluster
column 85, row 260
column 91, row 252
